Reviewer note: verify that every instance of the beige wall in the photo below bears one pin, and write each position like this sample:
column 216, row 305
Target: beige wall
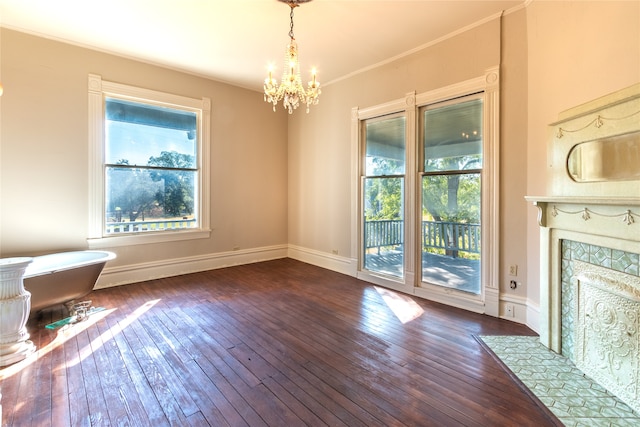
column 577, row 51
column 44, row 154
column 513, row 164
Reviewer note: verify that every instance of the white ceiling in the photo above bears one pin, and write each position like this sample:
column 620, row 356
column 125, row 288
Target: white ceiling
column 234, row 41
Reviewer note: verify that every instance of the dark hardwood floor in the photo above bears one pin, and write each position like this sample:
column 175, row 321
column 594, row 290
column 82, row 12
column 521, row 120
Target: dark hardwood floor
column 278, row 343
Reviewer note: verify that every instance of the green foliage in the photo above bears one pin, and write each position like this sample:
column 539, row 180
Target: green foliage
column 383, row 195
column 383, row 198
column 176, row 196
column 452, row 197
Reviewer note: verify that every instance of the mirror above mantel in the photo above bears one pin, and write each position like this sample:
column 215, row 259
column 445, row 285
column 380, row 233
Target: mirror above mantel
column 594, row 148
column 616, row 158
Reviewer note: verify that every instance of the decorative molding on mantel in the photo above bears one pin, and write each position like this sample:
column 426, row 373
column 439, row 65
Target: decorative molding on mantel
column 623, row 210
column 598, row 122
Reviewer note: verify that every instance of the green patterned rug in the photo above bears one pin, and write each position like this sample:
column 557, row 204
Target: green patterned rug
column 555, row 381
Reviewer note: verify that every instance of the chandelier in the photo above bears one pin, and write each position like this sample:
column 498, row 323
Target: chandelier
column 291, row 91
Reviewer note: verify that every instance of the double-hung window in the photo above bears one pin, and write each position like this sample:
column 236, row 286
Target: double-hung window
column 426, row 184
column 149, row 165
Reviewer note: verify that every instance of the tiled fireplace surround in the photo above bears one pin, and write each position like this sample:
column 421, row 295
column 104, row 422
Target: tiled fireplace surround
column 590, row 249
column 606, row 258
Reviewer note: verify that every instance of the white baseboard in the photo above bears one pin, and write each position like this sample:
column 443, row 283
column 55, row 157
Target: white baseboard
column 519, row 308
column 533, row 316
column 333, row 262
column 121, row 275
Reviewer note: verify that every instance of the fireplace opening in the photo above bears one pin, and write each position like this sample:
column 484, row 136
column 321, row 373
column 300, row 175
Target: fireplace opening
column 606, row 319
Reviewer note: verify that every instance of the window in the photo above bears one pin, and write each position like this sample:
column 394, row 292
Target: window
column 451, row 142
column 426, row 185
column 383, row 194
column 149, row 153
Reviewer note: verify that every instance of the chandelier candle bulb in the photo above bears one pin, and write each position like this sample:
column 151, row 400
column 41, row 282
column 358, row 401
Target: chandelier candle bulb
column 270, row 78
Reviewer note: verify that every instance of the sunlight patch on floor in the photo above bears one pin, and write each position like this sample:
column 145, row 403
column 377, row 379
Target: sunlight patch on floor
column 69, row 331
column 403, row 306
column 98, row 342
column 64, row 334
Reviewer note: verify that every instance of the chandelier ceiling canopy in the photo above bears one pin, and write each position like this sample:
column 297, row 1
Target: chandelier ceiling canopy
column 291, row 90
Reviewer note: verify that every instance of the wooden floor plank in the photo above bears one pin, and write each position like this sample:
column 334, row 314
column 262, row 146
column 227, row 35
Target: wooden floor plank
column 199, row 378
column 120, row 382
column 95, row 394
column 191, row 377
column 139, row 389
column 292, row 368
column 349, row 372
column 78, row 404
column 364, row 368
column 157, row 375
column 274, row 343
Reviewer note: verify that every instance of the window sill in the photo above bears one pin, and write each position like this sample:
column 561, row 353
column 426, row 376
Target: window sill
column 147, row 238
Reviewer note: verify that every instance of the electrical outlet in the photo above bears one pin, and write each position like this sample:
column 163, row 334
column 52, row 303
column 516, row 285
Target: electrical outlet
column 334, row 251
column 509, row 310
column 513, row 270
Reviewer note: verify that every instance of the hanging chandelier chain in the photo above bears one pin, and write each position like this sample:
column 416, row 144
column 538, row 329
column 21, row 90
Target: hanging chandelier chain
column 292, row 5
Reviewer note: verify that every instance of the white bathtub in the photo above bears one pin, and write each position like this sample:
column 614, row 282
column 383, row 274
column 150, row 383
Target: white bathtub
column 63, row 277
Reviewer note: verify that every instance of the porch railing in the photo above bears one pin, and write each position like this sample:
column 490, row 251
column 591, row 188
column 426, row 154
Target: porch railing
column 384, row 232
column 142, row 226
column 450, row 236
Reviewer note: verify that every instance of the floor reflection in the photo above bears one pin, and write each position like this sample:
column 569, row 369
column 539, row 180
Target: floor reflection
column 403, row 306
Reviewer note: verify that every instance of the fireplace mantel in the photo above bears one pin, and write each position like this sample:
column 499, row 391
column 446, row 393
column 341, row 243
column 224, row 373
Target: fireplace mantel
column 578, row 200
column 617, row 217
column 591, row 217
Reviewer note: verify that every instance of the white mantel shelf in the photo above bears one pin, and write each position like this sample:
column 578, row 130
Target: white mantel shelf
column 617, row 217
column 583, row 200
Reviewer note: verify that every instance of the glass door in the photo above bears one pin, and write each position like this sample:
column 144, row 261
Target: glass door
column 451, row 148
column 383, row 186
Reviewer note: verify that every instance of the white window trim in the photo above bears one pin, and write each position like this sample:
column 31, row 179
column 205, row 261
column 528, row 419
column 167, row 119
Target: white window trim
column 98, row 89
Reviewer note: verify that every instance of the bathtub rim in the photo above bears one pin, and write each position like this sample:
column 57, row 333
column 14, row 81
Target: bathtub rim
column 106, row 256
